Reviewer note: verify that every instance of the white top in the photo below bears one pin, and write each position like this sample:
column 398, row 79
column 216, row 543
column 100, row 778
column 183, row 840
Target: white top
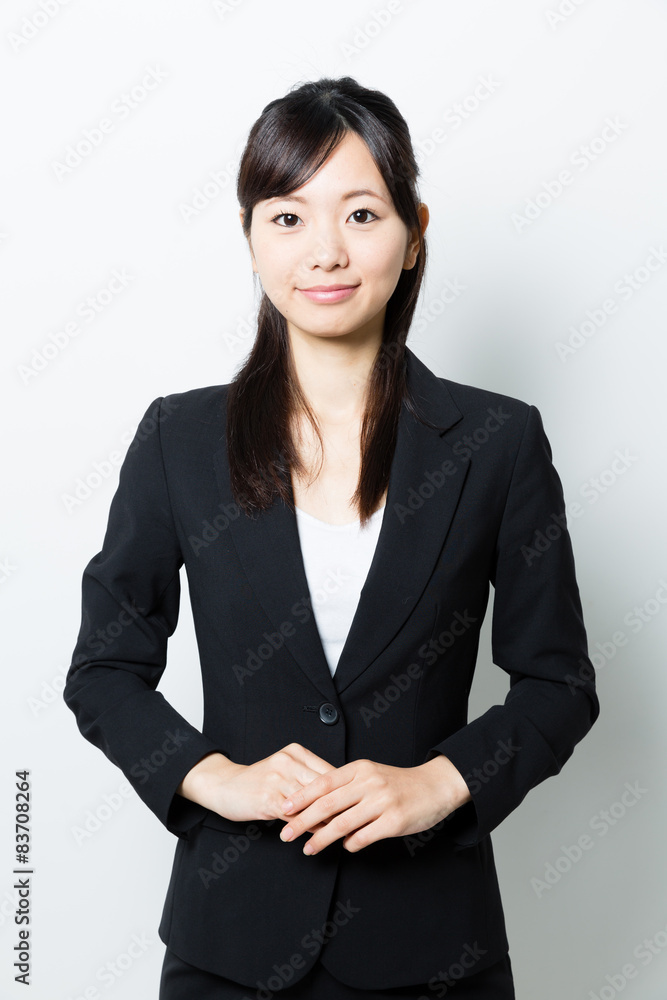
column 337, row 558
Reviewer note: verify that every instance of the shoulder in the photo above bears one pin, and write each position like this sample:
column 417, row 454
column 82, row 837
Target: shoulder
column 190, row 411
column 505, row 425
column 182, row 422
column 500, row 433
column 196, row 401
column 457, row 406
column 471, row 399
column 485, row 412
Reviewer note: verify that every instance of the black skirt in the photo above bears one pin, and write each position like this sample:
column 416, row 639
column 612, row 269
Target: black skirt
column 181, row 981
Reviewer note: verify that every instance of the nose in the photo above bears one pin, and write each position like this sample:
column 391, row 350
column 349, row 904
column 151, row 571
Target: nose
column 327, row 250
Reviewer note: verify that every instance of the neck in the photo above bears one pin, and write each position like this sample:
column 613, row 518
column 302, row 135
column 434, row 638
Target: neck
column 333, row 375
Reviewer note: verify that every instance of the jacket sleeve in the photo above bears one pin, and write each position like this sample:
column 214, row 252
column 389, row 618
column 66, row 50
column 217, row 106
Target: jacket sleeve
column 539, row 639
column 130, row 603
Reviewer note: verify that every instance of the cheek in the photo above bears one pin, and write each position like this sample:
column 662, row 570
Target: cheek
column 383, row 266
column 385, row 253
column 281, row 266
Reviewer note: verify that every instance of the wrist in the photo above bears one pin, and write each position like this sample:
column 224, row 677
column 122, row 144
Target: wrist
column 448, row 780
column 201, row 782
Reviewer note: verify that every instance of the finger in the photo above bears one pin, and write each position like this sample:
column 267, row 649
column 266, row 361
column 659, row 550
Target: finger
column 303, row 767
column 321, row 812
column 318, row 785
column 293, row 799
column 347, row 829
column 314, row 827
column 295, row 787
column 363, row 836
column 312, row 764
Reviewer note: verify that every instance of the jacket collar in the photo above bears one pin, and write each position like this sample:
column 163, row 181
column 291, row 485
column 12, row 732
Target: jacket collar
column 414, row 527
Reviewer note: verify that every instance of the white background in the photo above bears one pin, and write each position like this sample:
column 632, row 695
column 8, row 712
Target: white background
column 181, row 323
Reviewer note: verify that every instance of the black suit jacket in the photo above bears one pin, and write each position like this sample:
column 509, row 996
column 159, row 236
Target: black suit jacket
column 474, row 502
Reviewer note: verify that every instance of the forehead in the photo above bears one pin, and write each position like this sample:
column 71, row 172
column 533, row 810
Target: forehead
column 349, row 171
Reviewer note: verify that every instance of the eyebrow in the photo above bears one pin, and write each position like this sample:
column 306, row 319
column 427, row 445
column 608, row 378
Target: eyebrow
column 345, row 197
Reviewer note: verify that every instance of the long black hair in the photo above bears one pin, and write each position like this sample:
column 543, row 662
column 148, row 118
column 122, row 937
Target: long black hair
column 287, row 144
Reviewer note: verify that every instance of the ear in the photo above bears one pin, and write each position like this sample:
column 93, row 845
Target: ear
column 412, row 248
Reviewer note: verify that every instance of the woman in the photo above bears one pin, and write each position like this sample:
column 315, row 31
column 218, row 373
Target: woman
column 340, row 512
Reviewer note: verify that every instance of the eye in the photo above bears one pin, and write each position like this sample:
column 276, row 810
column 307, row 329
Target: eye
column 289, row 215
column 285, row 215
column 361, row 211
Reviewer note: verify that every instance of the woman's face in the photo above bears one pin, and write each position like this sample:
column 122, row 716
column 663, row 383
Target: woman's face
column 340, row 228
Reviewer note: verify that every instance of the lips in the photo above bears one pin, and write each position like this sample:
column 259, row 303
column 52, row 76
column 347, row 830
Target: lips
column 326, row 288
column 328, row 293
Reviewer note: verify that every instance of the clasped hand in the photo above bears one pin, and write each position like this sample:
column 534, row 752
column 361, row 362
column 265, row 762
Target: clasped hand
column 360, row 802
column 364, row 801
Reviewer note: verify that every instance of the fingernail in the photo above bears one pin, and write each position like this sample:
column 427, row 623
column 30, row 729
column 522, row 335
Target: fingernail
column 287, row 806
column 287, row 833
column 308, row 849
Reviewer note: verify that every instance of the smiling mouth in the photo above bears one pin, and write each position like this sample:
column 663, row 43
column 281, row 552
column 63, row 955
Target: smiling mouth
column 325, row 288
column 328, row 293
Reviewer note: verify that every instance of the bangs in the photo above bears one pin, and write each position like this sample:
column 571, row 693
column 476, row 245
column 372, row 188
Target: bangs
column 289, row 153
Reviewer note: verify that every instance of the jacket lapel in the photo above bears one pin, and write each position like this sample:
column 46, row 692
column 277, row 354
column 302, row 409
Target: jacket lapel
column 415, row 523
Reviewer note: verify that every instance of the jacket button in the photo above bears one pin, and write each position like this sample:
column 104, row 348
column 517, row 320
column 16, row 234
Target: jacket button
column 328, row 714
